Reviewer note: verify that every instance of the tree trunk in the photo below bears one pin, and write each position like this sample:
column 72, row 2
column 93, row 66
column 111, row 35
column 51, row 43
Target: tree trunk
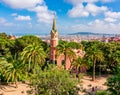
column 65, row 59
column 100, row 70
column 0, row 81
column 34, row 69
column 16, row 83
column 93, row 76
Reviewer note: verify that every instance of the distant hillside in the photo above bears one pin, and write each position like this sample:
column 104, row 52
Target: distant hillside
column 90, row 33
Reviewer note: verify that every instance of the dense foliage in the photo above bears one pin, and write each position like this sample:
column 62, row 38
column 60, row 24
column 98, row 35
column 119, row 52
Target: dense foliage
column 54, row 81
column 12, row 71
column 17, row 54
column 110, row 55
column 28, row 56
column 33, row 54
column 64, row 48
column 113, row 84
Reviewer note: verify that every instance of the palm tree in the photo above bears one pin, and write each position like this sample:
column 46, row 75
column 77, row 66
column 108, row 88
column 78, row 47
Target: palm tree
column 12, row 71
column 65, row 49
column 79, row 62
column 95, row 55
column 2, row 66
column 33, row 54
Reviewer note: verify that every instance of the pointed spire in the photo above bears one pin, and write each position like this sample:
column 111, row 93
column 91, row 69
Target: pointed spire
column 54, row 23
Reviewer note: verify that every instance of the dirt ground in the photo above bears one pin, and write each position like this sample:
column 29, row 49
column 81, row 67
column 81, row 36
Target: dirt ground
column 98, row 84
column 11, row 90
column 85, row 81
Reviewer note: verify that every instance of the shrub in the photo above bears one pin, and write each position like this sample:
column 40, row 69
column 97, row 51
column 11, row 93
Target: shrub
column 54, row 81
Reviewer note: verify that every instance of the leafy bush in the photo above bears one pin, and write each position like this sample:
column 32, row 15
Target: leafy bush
column 113, row 84
column 54, row 81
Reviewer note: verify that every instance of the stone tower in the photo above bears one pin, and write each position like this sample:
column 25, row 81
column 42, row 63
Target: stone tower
column 53, row 41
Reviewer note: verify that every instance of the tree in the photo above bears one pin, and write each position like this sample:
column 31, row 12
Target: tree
column 54, row 81
column 3, row 35
column 2, row 66
column 4, row 43
column 65, row 49
column 112, row 55
column 95, row 55
column 12, row 71
column 78, row 63
column 113, row 84
column 33, row 54
column 75, row 45
column 24, row 41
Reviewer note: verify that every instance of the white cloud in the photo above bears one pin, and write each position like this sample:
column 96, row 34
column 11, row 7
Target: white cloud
column 4, row 22
column 39, row 9
column 97, row 26
column 104, row 27
column 22, row 4
column 43, row 14
column 38, row 6
column 78, row 11
column 110, row 19
column 95, row 22
column 115, row 15
column 95, row 10
column 75, row 2
column 45, row 17
column 14, row 14
column 83, row 11
column 112, row 16
column 83, row 8
column 23, row 18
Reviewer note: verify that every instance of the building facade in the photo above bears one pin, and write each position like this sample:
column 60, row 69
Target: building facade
column 53, row 42
column 61, row 58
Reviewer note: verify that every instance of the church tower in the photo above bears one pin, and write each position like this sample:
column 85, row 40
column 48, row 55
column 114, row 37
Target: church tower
column 53, row 41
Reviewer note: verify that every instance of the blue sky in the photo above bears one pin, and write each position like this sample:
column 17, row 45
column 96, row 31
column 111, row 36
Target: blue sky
column 35, row 16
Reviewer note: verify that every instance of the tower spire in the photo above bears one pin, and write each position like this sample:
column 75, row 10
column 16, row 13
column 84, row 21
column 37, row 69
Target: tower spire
column 53, row 40
column 54, row 22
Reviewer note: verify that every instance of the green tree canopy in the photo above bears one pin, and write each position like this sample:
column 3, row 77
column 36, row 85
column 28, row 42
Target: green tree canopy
column 54, row 81
column 65, row 49
column 12, row 71
column 3, row 35
column 75, row 45
column 24, row 41
column 33, row 54
column 113, row 84
column 95, row 55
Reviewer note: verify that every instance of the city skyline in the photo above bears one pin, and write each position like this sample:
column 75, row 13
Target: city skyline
column 36, row 16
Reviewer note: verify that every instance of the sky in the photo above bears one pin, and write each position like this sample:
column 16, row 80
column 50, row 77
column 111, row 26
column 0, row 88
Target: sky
column 19, row 17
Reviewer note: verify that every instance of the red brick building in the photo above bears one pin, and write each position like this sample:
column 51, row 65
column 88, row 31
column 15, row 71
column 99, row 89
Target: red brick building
column 54, row 43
